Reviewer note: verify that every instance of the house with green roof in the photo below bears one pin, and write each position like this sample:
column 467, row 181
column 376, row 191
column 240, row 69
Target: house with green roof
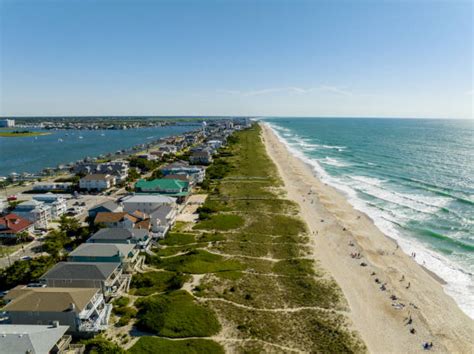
column 171, row 187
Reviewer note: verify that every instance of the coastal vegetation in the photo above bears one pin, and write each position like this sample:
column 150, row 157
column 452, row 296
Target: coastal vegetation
column 151, row 345
column 243, row 275
column 20, row 134
column 176, row 315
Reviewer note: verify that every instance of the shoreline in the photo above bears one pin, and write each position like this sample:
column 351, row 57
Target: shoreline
column 383, row 327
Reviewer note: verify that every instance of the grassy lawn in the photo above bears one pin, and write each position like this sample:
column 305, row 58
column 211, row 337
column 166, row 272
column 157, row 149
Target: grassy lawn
column 152, row 345
column 176, row 315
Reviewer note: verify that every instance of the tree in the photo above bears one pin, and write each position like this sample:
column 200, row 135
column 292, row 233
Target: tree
column 133, row 175
column 69, row 225
column 156, row 174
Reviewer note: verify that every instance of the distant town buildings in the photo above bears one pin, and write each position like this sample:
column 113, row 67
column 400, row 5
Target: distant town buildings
column 96, row 182
column 7, row 123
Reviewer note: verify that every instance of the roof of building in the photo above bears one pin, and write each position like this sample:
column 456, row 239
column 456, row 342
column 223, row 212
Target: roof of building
column 108, row 205
column 107, row 216
column 48, row 299
column 176, row 164
column 13, row 223
column 149, row 198
column 162, row 184
column 102, row 249
column 97, row 176
column 181, row 177
column 139, row 214
column 161, row 213
column 81, row 271
column 30, row 204
column 144, row 224
column 119, row 234
column 21, row 339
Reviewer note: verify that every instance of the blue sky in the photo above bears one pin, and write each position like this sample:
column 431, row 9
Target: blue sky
column 272, row 57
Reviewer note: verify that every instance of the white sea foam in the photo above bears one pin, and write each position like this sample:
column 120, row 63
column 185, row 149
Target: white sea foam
column 333, row 162
column 459, row 285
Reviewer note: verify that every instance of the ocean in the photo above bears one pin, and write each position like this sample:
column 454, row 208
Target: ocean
column 413, row 177
column 32, row 154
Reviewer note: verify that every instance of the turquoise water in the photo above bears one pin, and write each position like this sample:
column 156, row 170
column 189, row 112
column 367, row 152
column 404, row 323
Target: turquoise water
column 32, row 154
column 413, row 177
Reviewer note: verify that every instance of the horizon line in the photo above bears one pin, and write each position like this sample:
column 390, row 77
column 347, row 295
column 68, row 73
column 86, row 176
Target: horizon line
column 224, row 116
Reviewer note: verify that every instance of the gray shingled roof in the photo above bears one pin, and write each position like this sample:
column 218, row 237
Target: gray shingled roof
column 102, row 249
column 81, row 270
column 119, row 234
column 21, row 339
column 161, row 212
column 109, row 205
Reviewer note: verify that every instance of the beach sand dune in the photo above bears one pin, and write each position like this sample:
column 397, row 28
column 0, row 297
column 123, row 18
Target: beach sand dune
column 413, row 298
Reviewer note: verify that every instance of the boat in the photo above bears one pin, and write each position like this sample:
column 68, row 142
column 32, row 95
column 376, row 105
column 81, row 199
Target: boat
column 60, row 140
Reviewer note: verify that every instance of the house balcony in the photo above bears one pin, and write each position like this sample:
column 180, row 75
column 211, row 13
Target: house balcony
column 98, row 323
column 95, row 303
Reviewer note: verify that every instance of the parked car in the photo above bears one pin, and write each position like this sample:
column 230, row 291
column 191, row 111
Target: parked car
column 26, row 258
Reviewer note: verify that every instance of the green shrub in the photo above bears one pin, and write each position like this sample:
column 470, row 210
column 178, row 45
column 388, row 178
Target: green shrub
column 176, row 315
column 121, row 301
column 152, row 345
column 100, row 345
column 144, row 284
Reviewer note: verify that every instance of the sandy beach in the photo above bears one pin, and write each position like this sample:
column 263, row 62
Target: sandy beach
column 413, row 298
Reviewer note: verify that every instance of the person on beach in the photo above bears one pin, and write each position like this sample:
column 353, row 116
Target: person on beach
column 408, row 286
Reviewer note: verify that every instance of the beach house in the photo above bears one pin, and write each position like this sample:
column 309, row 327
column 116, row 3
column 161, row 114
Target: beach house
column 55, row 201
column 197, row 173
column 11, row 225
column 35, row 211
column 202, row 157
column 106, row 276
column 108, row 206
column 83, row 310
column 171, row 187
column 146, row 203
column 96, row 182
column 162, row 219
column 138, row 237
column 125, row 254
column 116, row 220
column 37, row 339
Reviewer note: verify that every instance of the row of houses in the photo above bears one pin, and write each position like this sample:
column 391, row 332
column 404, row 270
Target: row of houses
column 77, row 293
column 73, row 298
column 35, row 213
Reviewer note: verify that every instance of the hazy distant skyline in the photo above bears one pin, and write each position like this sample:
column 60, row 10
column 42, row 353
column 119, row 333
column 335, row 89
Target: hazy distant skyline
column 362, row 58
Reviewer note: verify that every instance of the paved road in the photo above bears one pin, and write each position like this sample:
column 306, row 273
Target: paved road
column 33, row 249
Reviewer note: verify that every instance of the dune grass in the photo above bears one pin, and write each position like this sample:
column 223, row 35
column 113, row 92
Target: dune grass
column 176, row 315
column 221, row 222
column 197, row 262
column 152, row 345
column 144, row 284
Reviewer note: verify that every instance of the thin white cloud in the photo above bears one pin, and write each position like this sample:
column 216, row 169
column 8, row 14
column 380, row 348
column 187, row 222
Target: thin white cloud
column 470, row 93
column 290, row 90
